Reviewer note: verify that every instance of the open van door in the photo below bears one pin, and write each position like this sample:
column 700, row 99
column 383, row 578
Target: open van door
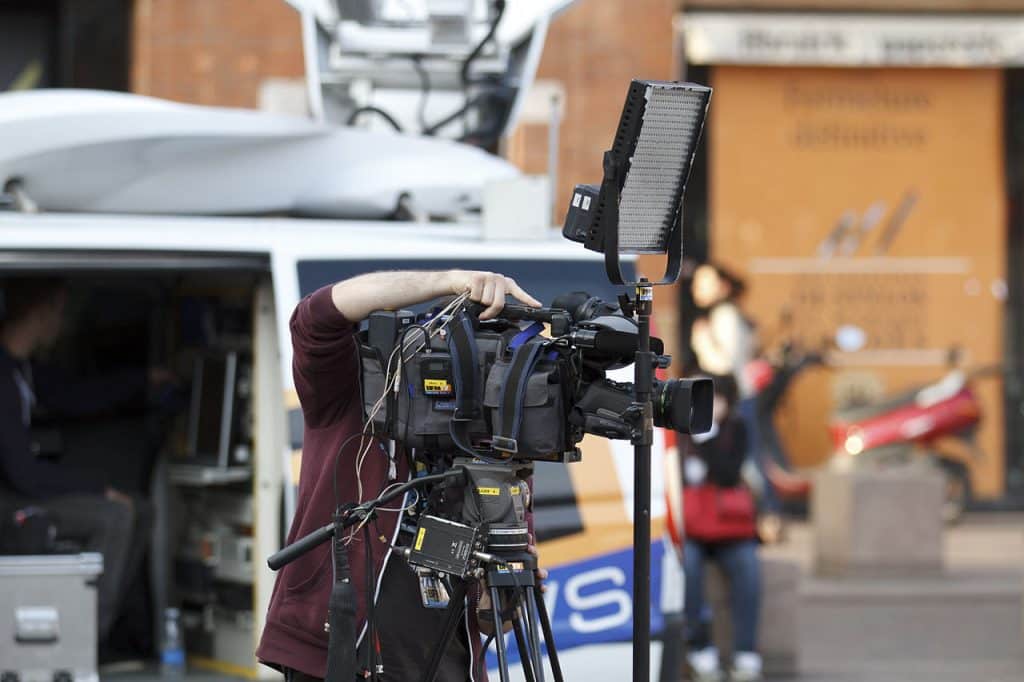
column 183, row 310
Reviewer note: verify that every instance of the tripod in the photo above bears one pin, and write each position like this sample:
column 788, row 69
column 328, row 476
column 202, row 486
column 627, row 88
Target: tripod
column 514, row 578
column 508, row 576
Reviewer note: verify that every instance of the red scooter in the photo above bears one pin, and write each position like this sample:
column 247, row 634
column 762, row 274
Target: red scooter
column 890, row 432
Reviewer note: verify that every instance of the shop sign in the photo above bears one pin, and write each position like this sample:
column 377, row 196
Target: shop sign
column 852, row 39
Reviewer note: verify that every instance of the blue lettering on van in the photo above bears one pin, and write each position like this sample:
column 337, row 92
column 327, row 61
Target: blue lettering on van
column 591, row 602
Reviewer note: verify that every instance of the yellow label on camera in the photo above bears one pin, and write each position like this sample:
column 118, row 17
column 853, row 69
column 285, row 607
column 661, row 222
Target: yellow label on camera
column 436, row 386
column 489, row 491
column 514, row 490
column 419, row 538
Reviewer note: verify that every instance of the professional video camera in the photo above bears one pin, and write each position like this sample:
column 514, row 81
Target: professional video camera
column 479, row 402
column 497, row 390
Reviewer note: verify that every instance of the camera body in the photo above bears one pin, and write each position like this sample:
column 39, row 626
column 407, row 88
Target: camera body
column 499, row 390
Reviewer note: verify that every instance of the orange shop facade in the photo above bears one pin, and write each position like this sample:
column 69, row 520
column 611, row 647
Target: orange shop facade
column 865, row 171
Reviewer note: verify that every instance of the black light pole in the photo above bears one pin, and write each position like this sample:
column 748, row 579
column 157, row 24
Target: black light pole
column 642, row 441
column 637, row 209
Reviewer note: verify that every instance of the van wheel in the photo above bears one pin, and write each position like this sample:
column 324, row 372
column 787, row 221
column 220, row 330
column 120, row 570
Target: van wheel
column 9, row 676
column 957, row 489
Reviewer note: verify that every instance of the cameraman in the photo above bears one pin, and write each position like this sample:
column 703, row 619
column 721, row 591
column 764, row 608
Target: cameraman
column 326, row 374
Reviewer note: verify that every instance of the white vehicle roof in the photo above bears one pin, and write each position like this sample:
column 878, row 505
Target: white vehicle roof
column 104, row 152
column 296, row 238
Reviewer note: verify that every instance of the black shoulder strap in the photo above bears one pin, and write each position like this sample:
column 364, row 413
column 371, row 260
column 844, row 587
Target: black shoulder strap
column 466, row 377
column 341, row 616
column 513, row 395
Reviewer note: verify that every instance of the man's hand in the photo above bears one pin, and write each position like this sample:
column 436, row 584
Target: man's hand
column 542, row 573
column 489, row 289
column 485, row 616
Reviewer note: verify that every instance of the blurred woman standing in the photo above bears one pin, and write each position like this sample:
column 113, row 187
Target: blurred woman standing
column 723, row 338
column 724, row 342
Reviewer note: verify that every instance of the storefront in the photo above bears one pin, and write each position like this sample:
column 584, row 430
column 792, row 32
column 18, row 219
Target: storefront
column 862, row 172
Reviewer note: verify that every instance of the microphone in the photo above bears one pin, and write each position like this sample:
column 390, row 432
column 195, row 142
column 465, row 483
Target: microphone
column 612, row 342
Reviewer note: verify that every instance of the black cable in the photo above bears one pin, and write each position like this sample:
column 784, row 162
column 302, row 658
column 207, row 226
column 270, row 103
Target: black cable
column 422, row 328
column 334, row 476
column 487, row 135
column 460, row 112
column 465, row 78
column 472, row 56
column 373, row 110
column 421, row 115
column 483, row 654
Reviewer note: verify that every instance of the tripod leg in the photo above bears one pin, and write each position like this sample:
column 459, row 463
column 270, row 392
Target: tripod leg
column 499, row 638
column 531, row 612
column 523, row 642
column 456, row 610
column 549, row 638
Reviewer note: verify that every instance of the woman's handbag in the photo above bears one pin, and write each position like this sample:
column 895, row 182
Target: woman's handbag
column 714, row 514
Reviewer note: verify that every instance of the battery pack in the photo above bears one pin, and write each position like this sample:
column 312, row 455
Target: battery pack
column 444, row 546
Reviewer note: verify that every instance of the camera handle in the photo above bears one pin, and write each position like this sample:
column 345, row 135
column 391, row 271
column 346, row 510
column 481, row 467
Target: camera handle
column 305, row 544
column 341, row 661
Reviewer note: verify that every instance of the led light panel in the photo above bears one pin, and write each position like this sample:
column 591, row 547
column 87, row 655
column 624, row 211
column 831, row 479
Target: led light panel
column 638, row 206
column 658, row 168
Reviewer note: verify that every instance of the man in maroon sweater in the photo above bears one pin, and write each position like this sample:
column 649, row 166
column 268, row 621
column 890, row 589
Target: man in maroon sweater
column 326, row 373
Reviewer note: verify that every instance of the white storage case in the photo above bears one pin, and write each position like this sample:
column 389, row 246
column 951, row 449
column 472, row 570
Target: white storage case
column 48, row 618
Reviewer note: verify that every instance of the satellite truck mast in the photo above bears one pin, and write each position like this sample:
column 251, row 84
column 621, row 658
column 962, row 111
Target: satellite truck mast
column 459, row 69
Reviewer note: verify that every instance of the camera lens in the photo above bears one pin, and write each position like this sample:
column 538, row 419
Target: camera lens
column 683, row 405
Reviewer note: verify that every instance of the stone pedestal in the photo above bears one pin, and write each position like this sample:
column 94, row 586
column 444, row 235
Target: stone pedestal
column 878, row 523
column 777, row 630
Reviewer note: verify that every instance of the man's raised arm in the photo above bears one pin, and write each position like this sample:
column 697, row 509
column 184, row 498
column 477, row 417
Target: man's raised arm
column 355, row 298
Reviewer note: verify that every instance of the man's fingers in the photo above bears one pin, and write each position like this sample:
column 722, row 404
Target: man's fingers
column 490, row 289
column 497, row 299
column 486, row 297
column 517, row 293
column 542, row 575
column 476, row 288
column 488, row 293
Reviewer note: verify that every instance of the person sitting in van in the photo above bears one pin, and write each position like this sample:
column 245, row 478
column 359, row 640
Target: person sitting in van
column 85, row 509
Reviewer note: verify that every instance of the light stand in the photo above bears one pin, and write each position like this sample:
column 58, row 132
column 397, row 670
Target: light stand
column 638, row 209
column 642, row 440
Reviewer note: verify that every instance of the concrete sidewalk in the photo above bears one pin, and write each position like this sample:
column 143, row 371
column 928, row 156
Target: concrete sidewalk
column 965, row 625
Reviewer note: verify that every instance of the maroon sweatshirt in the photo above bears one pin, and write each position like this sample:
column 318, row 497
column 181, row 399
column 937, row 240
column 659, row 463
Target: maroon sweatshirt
column 326, row 373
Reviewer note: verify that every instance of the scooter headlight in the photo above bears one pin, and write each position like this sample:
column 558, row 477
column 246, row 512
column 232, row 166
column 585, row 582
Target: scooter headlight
column 854, row 444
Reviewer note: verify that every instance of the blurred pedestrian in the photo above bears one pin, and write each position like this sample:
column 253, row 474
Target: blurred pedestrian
column 720, row 521
column 724, row 342
column 723, row 338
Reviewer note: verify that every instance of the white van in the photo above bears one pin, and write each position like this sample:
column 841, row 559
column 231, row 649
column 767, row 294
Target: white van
column 210, row 298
